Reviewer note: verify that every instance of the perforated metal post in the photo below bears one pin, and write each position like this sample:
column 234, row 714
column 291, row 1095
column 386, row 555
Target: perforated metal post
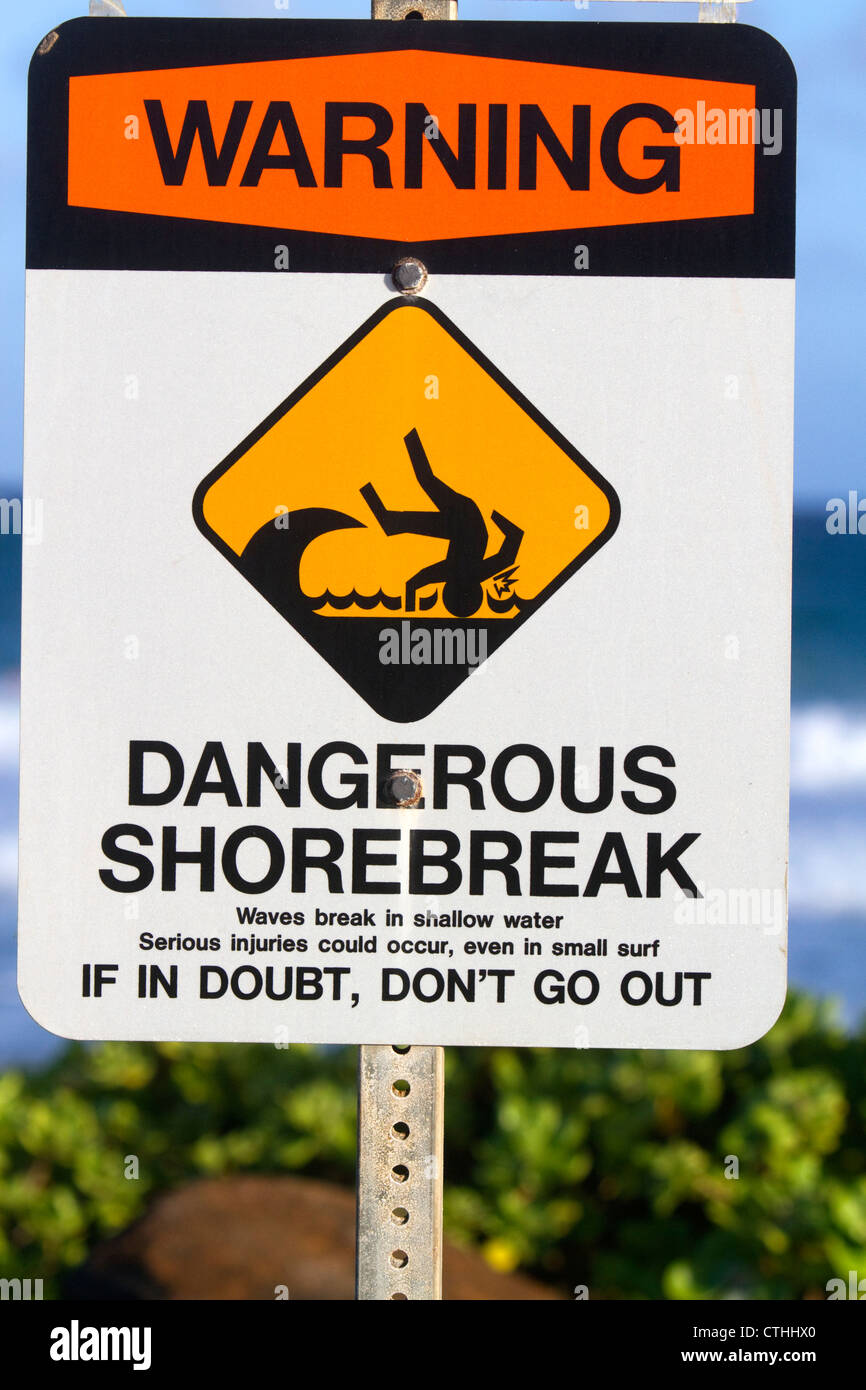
column 400, row 1135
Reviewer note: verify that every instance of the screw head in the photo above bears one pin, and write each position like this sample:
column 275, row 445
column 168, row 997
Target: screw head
column 404, row 788
column 409, row 275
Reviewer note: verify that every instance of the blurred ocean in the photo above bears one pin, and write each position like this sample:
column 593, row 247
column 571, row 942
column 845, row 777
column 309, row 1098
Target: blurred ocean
column 828, row 777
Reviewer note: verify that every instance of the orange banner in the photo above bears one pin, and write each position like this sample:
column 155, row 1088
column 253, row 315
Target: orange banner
column 412, row 145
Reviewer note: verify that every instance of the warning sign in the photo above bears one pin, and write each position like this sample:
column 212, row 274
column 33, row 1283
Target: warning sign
column 408, row 666
column 334, row 511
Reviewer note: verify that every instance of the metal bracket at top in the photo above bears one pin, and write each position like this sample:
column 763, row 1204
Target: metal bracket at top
column 414, row 9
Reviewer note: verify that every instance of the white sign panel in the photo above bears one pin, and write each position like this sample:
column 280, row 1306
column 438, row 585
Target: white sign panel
column 408, row 667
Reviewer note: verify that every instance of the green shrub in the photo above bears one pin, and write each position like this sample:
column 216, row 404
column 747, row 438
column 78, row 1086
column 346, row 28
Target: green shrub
column 609, row 1169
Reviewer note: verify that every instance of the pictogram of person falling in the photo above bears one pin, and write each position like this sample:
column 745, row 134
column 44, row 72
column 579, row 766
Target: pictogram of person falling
column 457, row 520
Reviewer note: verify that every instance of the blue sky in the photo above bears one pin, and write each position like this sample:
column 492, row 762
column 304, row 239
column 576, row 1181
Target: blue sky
column 828, row 45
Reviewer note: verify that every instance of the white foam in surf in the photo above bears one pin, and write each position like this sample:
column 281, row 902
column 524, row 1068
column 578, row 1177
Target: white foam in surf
column 8, row 726
column 828, row 749
column 826, row 877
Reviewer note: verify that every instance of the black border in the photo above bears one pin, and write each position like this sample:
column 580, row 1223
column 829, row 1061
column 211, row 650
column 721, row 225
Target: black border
column 407, row 694
column 58, row 236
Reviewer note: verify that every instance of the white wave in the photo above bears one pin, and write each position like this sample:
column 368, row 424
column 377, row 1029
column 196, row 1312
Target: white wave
column 8, row 864
column 826, row 866
column 8, row 726
column 828, row 812
column 828, row 749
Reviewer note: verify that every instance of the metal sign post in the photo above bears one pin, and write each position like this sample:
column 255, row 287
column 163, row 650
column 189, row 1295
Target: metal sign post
column 400, row 1130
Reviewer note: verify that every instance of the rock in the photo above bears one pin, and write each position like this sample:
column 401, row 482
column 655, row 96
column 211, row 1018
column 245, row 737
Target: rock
column 242, row 1237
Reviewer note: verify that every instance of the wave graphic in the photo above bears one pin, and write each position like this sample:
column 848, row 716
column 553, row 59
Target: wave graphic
column 365, row 601
column 394, row 603
column 503, row 605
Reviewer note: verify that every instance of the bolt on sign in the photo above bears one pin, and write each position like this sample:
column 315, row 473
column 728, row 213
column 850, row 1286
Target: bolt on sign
column 408, row 664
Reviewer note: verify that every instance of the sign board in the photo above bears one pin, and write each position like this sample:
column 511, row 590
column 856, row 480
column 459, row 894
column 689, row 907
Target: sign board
column 522, row 539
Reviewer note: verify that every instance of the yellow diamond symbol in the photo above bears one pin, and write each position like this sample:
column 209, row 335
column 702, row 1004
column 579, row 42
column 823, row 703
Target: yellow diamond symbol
column 406, row 509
